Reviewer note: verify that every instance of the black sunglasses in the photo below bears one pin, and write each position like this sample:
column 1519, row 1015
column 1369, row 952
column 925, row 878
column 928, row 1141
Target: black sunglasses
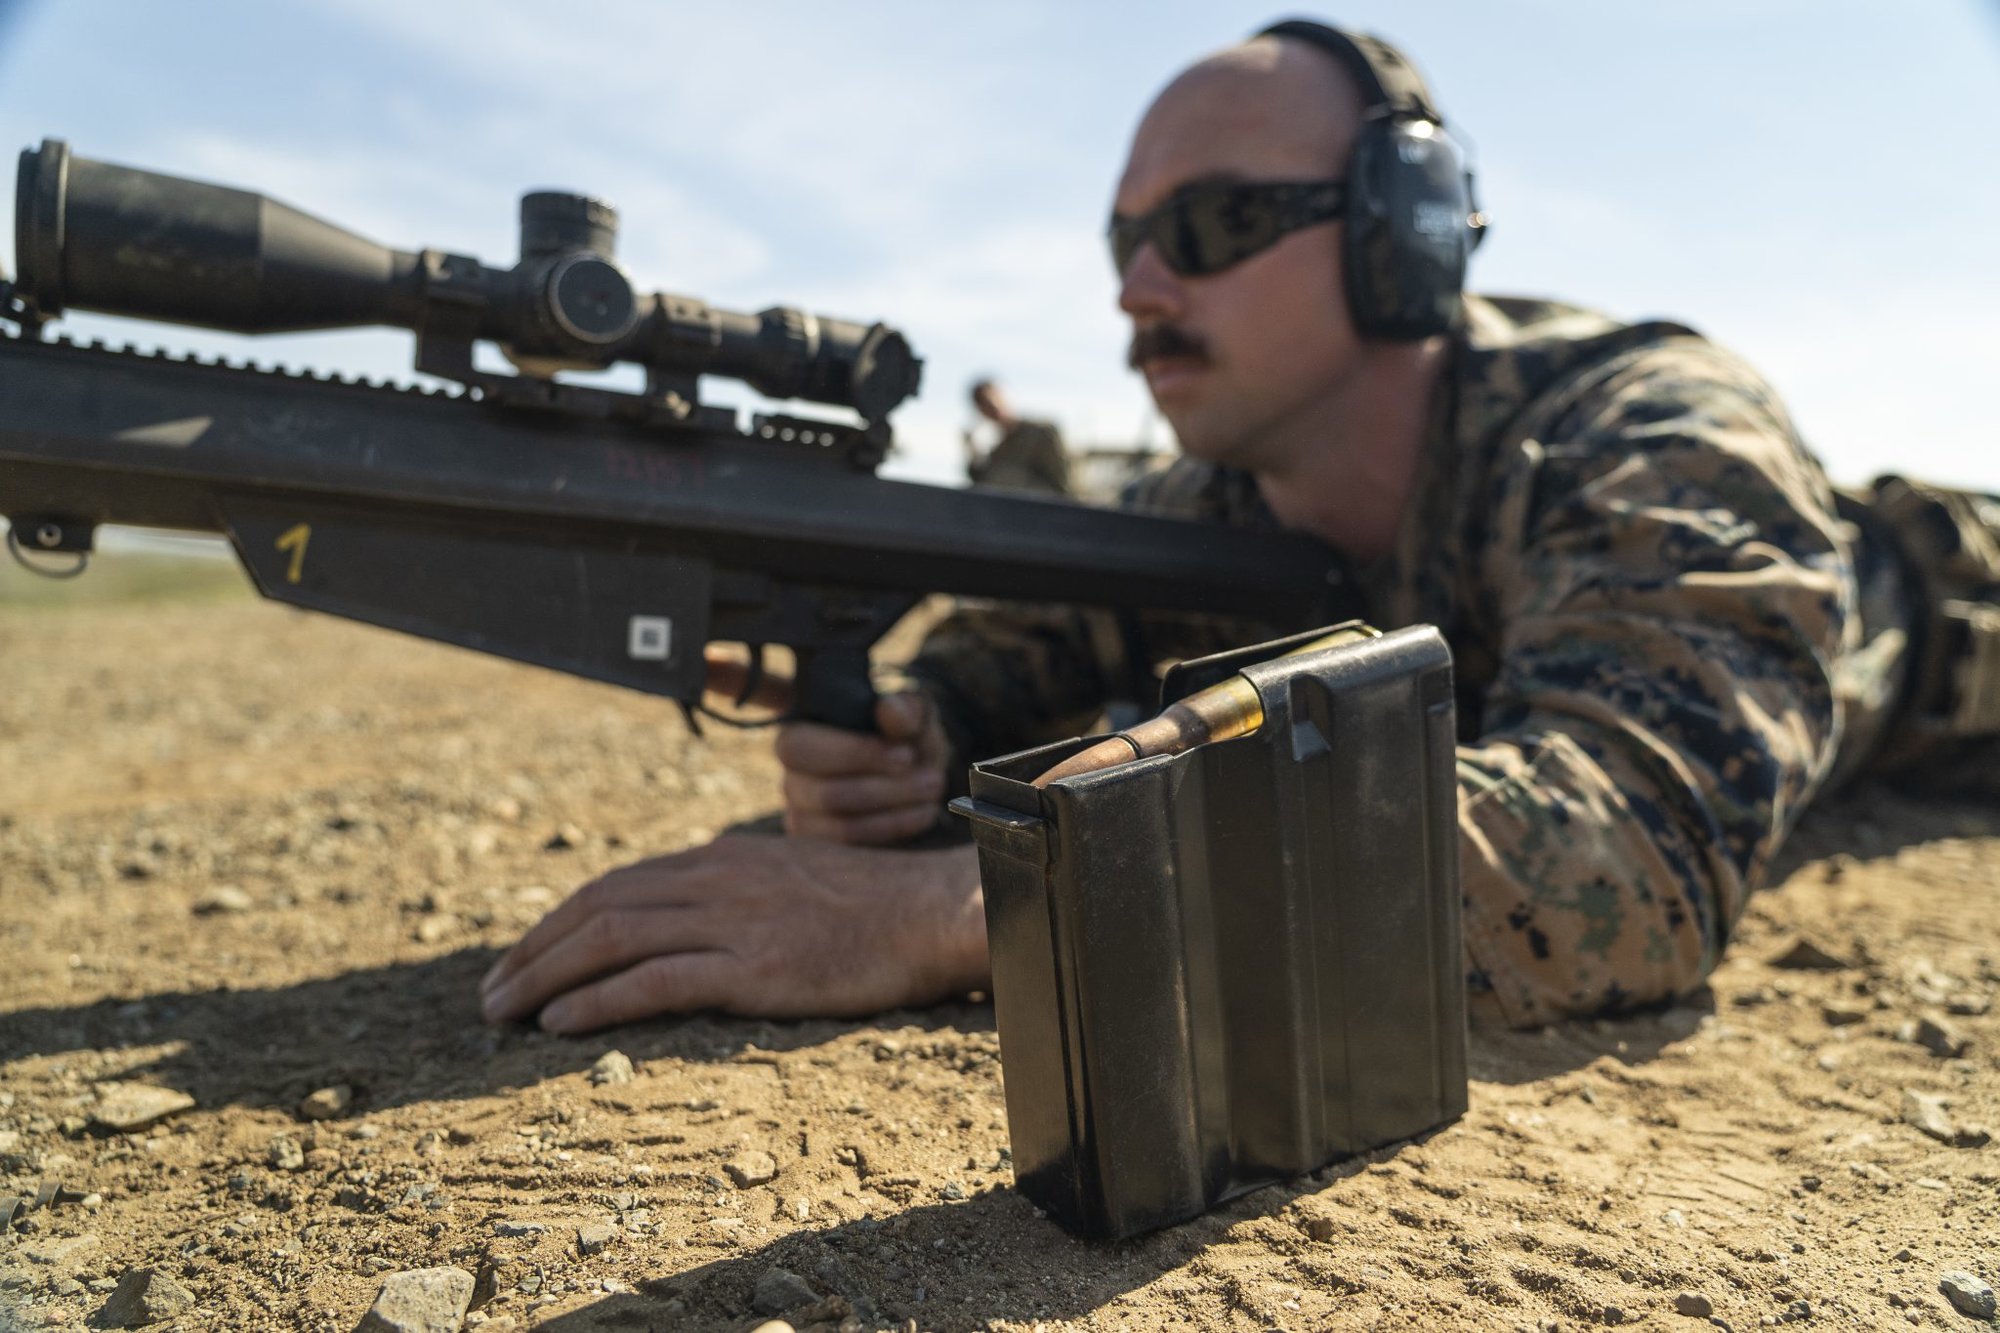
column 1205, row 228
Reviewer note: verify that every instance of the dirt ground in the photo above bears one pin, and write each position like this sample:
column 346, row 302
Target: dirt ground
column 248, row 855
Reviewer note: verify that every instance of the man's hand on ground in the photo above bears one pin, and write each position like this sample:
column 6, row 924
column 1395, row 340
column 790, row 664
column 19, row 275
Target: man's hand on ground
column 768, row 927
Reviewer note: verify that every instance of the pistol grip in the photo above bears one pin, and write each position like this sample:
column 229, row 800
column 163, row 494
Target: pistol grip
column 833, row 687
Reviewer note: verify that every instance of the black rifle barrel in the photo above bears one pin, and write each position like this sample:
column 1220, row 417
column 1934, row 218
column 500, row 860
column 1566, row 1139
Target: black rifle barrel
column 95, row 236
column 599, row 548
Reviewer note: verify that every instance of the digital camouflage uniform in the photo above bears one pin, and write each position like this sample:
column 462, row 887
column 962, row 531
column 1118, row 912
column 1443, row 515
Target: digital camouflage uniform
column 1029, row 457
column 1648, row 596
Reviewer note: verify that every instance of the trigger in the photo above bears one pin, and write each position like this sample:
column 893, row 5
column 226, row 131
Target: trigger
column 753, row 678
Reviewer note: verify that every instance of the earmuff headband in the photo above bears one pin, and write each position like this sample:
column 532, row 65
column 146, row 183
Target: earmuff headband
column 1389, row 83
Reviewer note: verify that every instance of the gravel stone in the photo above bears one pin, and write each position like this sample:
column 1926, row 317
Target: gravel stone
column 1925, row 1112
column 327, row 1102
column 595, row 1237
column 751, row 1168
column 285, row 1154
column 1968, row 1295
column 124, row 1108
column 1694, row 1305
column 612, row 1067
column 1939, row 1039
column 779, row 1290
column 144, row 1296
column 422, row 1300
column 515, row 1227
column 224, row 899
column 58, row 1250
column 1804, row 955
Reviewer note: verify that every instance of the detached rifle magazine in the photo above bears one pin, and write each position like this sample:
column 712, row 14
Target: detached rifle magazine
column 1221, row 968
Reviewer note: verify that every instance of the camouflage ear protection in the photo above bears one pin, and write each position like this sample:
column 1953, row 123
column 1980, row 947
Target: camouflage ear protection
column 1412, row 221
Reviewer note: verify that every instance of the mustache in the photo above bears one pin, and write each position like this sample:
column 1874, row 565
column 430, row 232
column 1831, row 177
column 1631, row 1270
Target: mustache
column 1161, row 340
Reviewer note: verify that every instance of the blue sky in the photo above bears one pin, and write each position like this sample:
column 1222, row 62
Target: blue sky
column 1806, row 180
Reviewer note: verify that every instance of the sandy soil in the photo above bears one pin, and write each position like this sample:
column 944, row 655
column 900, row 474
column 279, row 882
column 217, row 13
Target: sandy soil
column 246, row 854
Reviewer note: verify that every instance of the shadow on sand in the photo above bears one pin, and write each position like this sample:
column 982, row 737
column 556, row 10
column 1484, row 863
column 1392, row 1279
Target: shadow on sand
column 408, row 1032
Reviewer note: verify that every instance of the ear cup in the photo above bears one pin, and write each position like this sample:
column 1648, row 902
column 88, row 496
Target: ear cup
column 1411, row 220
column 1409, row 230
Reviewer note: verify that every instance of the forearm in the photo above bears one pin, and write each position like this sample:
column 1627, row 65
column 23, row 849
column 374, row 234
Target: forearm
column 947, row 929
column 1581, row 895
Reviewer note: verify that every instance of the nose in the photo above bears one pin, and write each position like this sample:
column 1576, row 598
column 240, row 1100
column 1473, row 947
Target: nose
column 1149, row 290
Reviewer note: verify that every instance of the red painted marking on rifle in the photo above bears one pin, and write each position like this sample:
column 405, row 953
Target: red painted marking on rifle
column 653, row 467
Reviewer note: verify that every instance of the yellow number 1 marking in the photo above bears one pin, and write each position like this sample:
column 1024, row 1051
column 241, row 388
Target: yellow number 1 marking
column 294, row 540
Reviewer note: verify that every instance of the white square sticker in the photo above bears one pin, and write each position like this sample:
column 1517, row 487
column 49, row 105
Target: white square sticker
column 651, row 639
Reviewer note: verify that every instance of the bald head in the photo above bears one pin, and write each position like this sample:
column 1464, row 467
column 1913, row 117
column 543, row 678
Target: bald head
column 1270, row 108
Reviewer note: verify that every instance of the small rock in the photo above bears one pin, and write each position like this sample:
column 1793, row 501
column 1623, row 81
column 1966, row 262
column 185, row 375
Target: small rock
column 1972, row 1136
column 751, row 1168
column 1798, row 1312
column 1804, row 955
column 1926, row 1113
column 423, row 1300
column 1694, row 1305
column 612, row 1067
column 58, row 1250
column 595, row 1237
column 1939, row 1040
column 432, row 928
column 564, row 839
column 1968, row 1295
column 1838, row 1016
column 1613, row 1315
column 774, row 1326
column 779, row 1290
column 515, row 1227
column 285, row 1154
column 327, row 1103
column 1904, row 1255
column 144, row 1296
column 802, row 1207
column 125, row 1107
column 224, row 899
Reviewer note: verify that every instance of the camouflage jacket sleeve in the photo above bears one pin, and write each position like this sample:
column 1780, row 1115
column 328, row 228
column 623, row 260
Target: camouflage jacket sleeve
column 1667, row 599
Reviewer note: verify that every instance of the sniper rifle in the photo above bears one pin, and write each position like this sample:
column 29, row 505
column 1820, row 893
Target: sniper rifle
column 609, row 534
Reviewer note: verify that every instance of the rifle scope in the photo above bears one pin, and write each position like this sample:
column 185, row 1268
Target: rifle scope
column 113, row 239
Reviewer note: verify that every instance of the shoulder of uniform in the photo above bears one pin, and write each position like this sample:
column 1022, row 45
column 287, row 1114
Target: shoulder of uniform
column 1515, row 352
